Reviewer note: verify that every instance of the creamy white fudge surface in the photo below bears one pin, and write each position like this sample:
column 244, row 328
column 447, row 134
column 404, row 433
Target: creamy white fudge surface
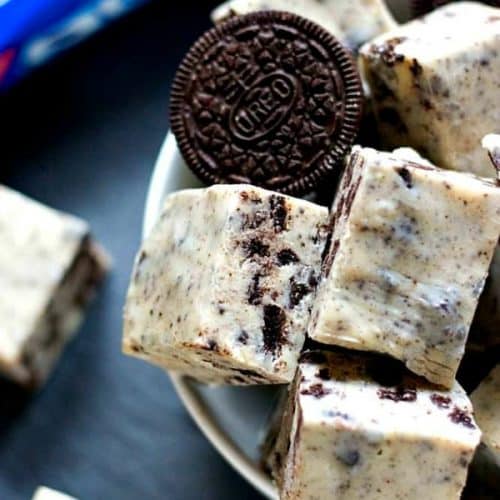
column 351, row 21
column 407, row 260
column 486, row 402
column 359, row 20
column 435, row 83
column 222, row 288
column 49, row 269
column 44, row 493
column 358, row 427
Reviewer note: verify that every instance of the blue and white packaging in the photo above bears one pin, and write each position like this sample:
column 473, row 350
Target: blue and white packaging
column 34, row 31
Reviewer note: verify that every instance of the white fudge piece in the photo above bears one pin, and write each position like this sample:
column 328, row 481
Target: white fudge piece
column 407, row 260
column 352, row 21
column 222, row 288
column 486, row 402
column 358, row 427
column 359, row 20
column 44, row 493
column 435, row 84
column 49, row 269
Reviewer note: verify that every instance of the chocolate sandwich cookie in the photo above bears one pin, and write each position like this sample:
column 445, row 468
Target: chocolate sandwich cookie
column 270, row 99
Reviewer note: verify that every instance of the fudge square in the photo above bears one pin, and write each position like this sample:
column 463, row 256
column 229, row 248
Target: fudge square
column 222, row 288
column 49, row 271
column 359, row 426
column 435, row 84
column 407, row 260
column 486, row 401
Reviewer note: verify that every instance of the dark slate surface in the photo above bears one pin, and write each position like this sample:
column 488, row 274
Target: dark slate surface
column 82, row 135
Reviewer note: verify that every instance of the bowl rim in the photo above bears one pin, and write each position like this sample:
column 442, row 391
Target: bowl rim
column 186, row 390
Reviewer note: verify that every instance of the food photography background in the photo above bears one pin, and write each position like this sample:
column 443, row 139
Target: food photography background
column 82, row 135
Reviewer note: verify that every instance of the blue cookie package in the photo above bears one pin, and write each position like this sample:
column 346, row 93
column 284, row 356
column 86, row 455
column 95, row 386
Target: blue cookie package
column 34, row 31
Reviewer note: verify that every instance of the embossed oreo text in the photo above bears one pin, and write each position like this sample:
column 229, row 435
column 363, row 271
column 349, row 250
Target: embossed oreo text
column 263, row 106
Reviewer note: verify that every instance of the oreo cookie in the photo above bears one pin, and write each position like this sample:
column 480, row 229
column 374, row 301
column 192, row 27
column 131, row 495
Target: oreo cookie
column 270, row 99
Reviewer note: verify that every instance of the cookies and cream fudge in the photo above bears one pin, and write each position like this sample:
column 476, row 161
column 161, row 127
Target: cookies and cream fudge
column 222, row 288
column 44, row 493
column 407, row 260
column 358, row 427
column 435, row 84
column 352, row 21
column 49, row 270
column 486, row 402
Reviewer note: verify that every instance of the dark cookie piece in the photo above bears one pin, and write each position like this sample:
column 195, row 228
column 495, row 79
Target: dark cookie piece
column 398, row 394
column 422, row 7
column 269, row 99
column 254, row 290
column 405, row 174
column 255, row 247
column 459, row 416
column 287, row 256
column 441, row 401
column 387, row 51
column 494, row 155
column 274, row 329
column 496, row 163
column 316, row 390
column 279, row 212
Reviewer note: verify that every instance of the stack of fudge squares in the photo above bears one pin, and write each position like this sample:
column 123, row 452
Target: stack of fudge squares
column 364, row 310
column 50, row 268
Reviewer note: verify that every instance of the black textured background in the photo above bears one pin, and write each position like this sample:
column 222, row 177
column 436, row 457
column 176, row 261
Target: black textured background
column 82, row 135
